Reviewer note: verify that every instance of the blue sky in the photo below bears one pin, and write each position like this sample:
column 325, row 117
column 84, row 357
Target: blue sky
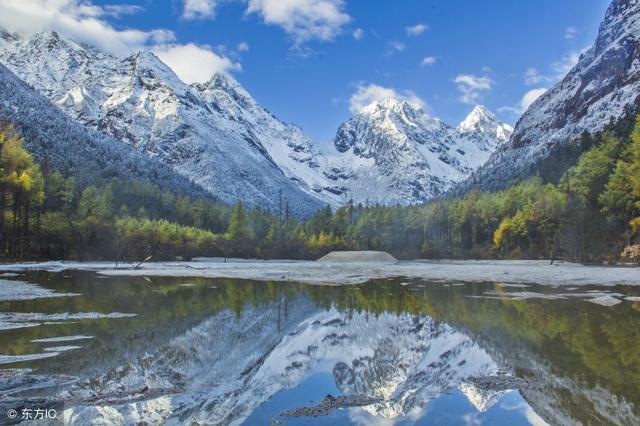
column 314, row 62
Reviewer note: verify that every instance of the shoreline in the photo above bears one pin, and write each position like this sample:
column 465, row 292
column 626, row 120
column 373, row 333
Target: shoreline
column 319, row 273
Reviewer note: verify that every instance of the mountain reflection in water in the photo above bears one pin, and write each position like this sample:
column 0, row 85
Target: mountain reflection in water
column 234, row 352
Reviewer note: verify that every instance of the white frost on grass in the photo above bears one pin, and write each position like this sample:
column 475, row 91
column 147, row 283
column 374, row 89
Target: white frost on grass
column 20, row 290
column 518, row 272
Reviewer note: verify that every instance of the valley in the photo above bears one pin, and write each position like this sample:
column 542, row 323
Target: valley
column 451, row 237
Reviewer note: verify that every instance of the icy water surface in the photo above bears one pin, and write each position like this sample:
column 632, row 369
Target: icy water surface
column 201, row 351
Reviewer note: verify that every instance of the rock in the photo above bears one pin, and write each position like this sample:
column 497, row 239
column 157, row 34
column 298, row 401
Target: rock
column 329, row 404
column 358, row 256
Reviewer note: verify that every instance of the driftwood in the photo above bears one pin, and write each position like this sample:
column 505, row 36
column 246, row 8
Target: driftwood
column 140, row 264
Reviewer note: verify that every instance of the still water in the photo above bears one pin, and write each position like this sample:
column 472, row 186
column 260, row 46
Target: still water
column 202, row 351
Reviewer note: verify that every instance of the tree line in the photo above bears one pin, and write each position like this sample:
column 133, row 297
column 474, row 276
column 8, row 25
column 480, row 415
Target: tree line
column 590, row 212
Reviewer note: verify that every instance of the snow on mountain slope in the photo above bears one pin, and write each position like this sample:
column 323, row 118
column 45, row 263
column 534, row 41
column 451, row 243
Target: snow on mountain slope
column 485, row 130
column 222, row 141
column 393, row 152
column 603, row 86
column 288, row 146
column 61, row 143
column 216, row 135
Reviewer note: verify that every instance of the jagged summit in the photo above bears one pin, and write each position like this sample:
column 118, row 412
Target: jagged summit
column 389, row 104
column 140, row 101
column 480, row 119
column 484, row 129
column 64, row 144
column 222, row 82
column 146, row 60
column 217, row 135
column 394, row 152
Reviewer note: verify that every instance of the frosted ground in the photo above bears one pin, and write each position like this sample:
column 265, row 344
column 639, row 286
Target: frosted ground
column 518, row 272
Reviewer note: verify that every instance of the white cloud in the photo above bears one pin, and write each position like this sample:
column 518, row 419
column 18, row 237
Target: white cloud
column 85, row 22
column 80, row 20
column 533, row 77
column 429, row 60
column 570, row 33
column 394, row 47
column 303, row 20
column 358, row 33
column 198, row 9
column 192, row 63
column 471, row 86
column 564, row 65
column 243, row 46
column 416, row 30
column 118, row 10
column 558, row 70
column 529, row 98
column 366, row 94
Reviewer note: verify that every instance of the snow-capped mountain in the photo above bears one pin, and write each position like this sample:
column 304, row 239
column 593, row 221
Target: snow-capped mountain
column 213, row 134
column 603, row 86
column 394, row 152
column 291, row 150
column 484, row 129
column 62, row 144
column 216, row 135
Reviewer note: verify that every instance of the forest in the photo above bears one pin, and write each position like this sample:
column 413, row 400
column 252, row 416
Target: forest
column 589, row 212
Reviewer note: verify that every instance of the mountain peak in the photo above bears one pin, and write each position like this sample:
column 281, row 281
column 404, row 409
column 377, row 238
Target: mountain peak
column 145, row 59
column 147, row 65
column 223, row 89
column 389, row 104
column 225, row 82
column 602, row 86
column 485, row 127
column 479, row 118
column 45, row 41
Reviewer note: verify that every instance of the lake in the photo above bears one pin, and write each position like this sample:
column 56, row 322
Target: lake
column 126, row 350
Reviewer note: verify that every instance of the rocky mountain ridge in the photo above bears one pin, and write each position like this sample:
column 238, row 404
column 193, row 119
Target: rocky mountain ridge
column 394, row 152
column 139, row 101
column 602, row 87
column 216, row 135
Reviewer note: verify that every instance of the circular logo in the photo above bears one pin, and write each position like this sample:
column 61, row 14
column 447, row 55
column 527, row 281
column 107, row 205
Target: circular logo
column 12, row 414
